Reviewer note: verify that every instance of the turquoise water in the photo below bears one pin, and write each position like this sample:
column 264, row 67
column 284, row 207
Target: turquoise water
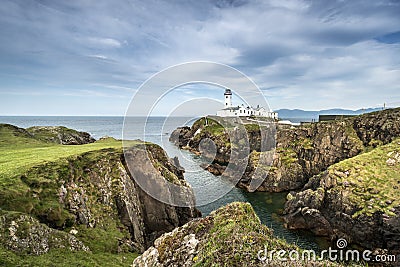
column 211, row 192
column 268, row 206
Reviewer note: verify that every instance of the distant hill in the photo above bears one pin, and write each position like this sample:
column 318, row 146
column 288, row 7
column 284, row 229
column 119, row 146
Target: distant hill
column 313, row 114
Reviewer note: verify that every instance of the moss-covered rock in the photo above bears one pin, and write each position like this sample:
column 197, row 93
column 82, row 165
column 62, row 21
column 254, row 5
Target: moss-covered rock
column 229, row 236
column 24, row 234
column 357, row 198
column 60, row 135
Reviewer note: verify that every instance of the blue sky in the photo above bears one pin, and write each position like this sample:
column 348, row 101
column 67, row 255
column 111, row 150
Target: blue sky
column 90, row 57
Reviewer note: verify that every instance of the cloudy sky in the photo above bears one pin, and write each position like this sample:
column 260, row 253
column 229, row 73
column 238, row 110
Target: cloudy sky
column 89, row 57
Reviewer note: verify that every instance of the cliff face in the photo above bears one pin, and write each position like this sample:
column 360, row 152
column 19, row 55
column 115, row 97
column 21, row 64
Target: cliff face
column 95, row 191
column 301, row 152
column 230, row 236
column 357, row 199
column 88, row 201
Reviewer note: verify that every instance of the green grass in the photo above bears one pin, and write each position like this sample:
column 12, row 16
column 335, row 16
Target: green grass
column 19, row 152
column 303, row 142
column 62, row 257
column 287, row 155
column 104, row 237
column 252, row 127
column 17, row 160
column 372, row 184
column 235, row 237
column 11, row 136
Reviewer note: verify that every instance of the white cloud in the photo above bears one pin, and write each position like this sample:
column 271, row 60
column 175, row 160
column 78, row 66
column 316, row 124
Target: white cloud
column 99, row 56
column 103, row 42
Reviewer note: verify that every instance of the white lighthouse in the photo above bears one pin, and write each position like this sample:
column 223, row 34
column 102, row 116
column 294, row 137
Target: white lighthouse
column 228, row 98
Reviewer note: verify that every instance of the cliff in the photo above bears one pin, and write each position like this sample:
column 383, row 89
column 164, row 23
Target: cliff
column 300, row 153
column 229, row 236
column 357, row 199
column 57, row 199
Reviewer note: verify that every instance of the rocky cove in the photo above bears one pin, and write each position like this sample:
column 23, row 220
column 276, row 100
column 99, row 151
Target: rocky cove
column 312, row 162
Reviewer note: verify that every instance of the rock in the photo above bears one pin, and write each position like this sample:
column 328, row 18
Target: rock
column 181, row 136
column 214, row 168
column 24, row 234
column 383, row 126
column 363, row 211
column 391, row 162
column 60, row 135
column 106, row 138
column 230, row 236
column 73, row 231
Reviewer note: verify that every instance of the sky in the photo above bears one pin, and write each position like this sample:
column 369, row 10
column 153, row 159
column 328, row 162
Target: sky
column 90, row 57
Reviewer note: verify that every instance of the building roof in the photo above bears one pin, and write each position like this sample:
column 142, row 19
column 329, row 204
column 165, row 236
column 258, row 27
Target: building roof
column 231, row 108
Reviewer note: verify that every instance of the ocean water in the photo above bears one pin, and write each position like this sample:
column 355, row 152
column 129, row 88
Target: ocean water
column 207, row 187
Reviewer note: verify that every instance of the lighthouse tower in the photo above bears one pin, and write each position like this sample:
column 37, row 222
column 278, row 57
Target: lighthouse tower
column 228, row 98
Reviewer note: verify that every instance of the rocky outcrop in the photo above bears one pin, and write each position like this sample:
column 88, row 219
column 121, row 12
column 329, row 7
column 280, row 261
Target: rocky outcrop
column 357, row 199
column 49, row 134
column 305, row 151
column 22, row 233
column 230, row 236
column 301, row 152
column 92, row 201
column 60, row 135
column 378, row 127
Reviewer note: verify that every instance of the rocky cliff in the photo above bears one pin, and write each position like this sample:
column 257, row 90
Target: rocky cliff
column 229, row 236
column 83, row 198
column 357, row 199
column 301, row 152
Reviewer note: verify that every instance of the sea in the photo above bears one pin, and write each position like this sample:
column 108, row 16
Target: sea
column 211, row 191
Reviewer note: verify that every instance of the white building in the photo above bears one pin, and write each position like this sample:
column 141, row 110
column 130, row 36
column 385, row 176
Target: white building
column 235, row 111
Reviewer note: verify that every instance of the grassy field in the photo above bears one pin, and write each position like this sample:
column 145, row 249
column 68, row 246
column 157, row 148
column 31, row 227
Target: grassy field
column 62, row 257
column 20, row 152
column 372, row 182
